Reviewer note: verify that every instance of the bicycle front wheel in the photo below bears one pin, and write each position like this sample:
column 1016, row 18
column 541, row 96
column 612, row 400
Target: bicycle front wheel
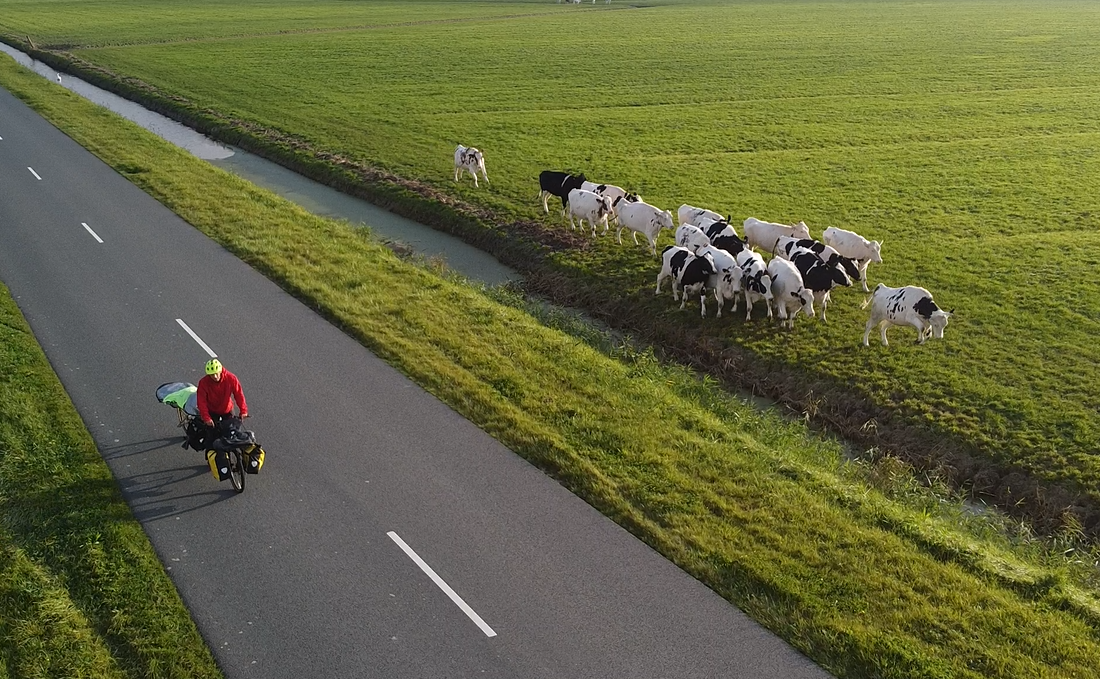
column 236, row 470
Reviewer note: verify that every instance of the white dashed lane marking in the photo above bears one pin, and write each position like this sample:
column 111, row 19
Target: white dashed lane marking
column 94, row 234
column 34, row 173
column 442, row 585
column 196, row 338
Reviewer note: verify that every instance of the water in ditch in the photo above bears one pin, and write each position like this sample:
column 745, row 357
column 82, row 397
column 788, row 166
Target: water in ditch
column 423, row 240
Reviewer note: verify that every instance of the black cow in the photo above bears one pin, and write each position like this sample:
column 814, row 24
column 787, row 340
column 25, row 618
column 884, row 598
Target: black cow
column 558, row 184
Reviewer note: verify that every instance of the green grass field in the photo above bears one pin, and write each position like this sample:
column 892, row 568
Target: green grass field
column 962, row 134
column 856, row 565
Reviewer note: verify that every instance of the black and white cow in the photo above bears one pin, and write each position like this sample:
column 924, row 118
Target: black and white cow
column 590, row 207
column 471, row 160
column 764, row 235
column 755, row 281
column 693, row 275
column 786, row 246
column 617, row 195
column 729, row 275
column 731, row 244
column 691, row 237
column 558, row 184
column 909, row 305
column 818, row 277
column 719, row 228
column 789, row 292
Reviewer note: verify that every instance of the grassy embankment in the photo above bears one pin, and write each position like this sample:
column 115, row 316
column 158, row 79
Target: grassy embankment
column 82, row 594
column 880, row 580
column 963, row 134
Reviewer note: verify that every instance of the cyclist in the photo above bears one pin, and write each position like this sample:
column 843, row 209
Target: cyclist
column 216, row 394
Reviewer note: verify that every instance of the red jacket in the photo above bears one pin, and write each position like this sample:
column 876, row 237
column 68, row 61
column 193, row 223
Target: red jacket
column 214, row 397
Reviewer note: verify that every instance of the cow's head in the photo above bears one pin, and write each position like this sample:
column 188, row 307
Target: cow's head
column 801, row 230
column 939, row 322
column 839, row 277
column 806, row 299
column 848, row 264
column 665, row 220
column 605, row 209
column 876, row 251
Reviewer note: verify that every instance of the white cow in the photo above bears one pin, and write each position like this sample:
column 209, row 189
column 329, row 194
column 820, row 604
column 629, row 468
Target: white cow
column 645, row 219
column 909, row 305
column 755, row 281
column 691, row 237
column 763, row 235
column 471, row 160
column 729, row 275
column 856, row 247
column 590, row 207
column 788, row 293
column 688, row 214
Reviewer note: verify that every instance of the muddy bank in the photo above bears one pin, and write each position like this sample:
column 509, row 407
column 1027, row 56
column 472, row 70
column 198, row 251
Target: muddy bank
column 525, row 245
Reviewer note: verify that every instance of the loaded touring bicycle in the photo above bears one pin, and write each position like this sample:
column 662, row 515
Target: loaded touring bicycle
column 231, row 452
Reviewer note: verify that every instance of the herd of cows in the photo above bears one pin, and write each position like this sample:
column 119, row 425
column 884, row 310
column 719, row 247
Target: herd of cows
column 710, row 257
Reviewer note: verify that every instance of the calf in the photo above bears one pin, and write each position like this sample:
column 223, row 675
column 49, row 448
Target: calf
column 471, row 160
column 691, row 236
column 855, row 246
column 818, row 277
column 909, row 305
column 687, row 272
column 729, row 275
column 788, row 292
column 755, row 281
column 764, row 235
column 691, row 215
column 645, row 219
column 590, row 207
column 558, row 184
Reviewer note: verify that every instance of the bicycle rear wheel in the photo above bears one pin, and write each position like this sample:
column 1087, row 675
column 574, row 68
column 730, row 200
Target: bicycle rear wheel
column 236, row 469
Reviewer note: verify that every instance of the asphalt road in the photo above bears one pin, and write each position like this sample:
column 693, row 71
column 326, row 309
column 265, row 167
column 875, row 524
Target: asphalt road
column 310, row 572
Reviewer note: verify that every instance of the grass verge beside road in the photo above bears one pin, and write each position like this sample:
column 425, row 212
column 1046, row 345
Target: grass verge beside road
column 761, row 510
column 82, row 594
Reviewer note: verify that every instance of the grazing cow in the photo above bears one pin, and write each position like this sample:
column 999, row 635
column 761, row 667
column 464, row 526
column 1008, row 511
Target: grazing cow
column 764, row 235
column 818, row 277
column 788, row 292
column 471, row 160
column 691, row 236
column 645, row 219
column 786, row 246
column 691, row 274
column 755, row 281
column 590, row 207
column 909, row 305
column 729, row 275
column 691, row 215
column 558, row 184
column 855, row 246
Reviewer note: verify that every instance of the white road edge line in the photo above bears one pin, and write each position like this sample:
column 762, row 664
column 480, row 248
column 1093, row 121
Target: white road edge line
column 442, row 585
column 94, row 235
column 196, row 338
column 34, row 173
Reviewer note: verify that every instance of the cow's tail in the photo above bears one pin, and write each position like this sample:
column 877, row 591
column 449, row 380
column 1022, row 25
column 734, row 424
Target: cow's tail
column 868, row 300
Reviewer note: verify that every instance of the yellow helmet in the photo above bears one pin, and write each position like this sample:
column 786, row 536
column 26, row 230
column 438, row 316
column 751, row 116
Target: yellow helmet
column 213, row 366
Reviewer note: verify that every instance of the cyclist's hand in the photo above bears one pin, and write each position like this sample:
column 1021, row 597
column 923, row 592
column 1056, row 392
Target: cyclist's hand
column 209, row 423
column 244, row 415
